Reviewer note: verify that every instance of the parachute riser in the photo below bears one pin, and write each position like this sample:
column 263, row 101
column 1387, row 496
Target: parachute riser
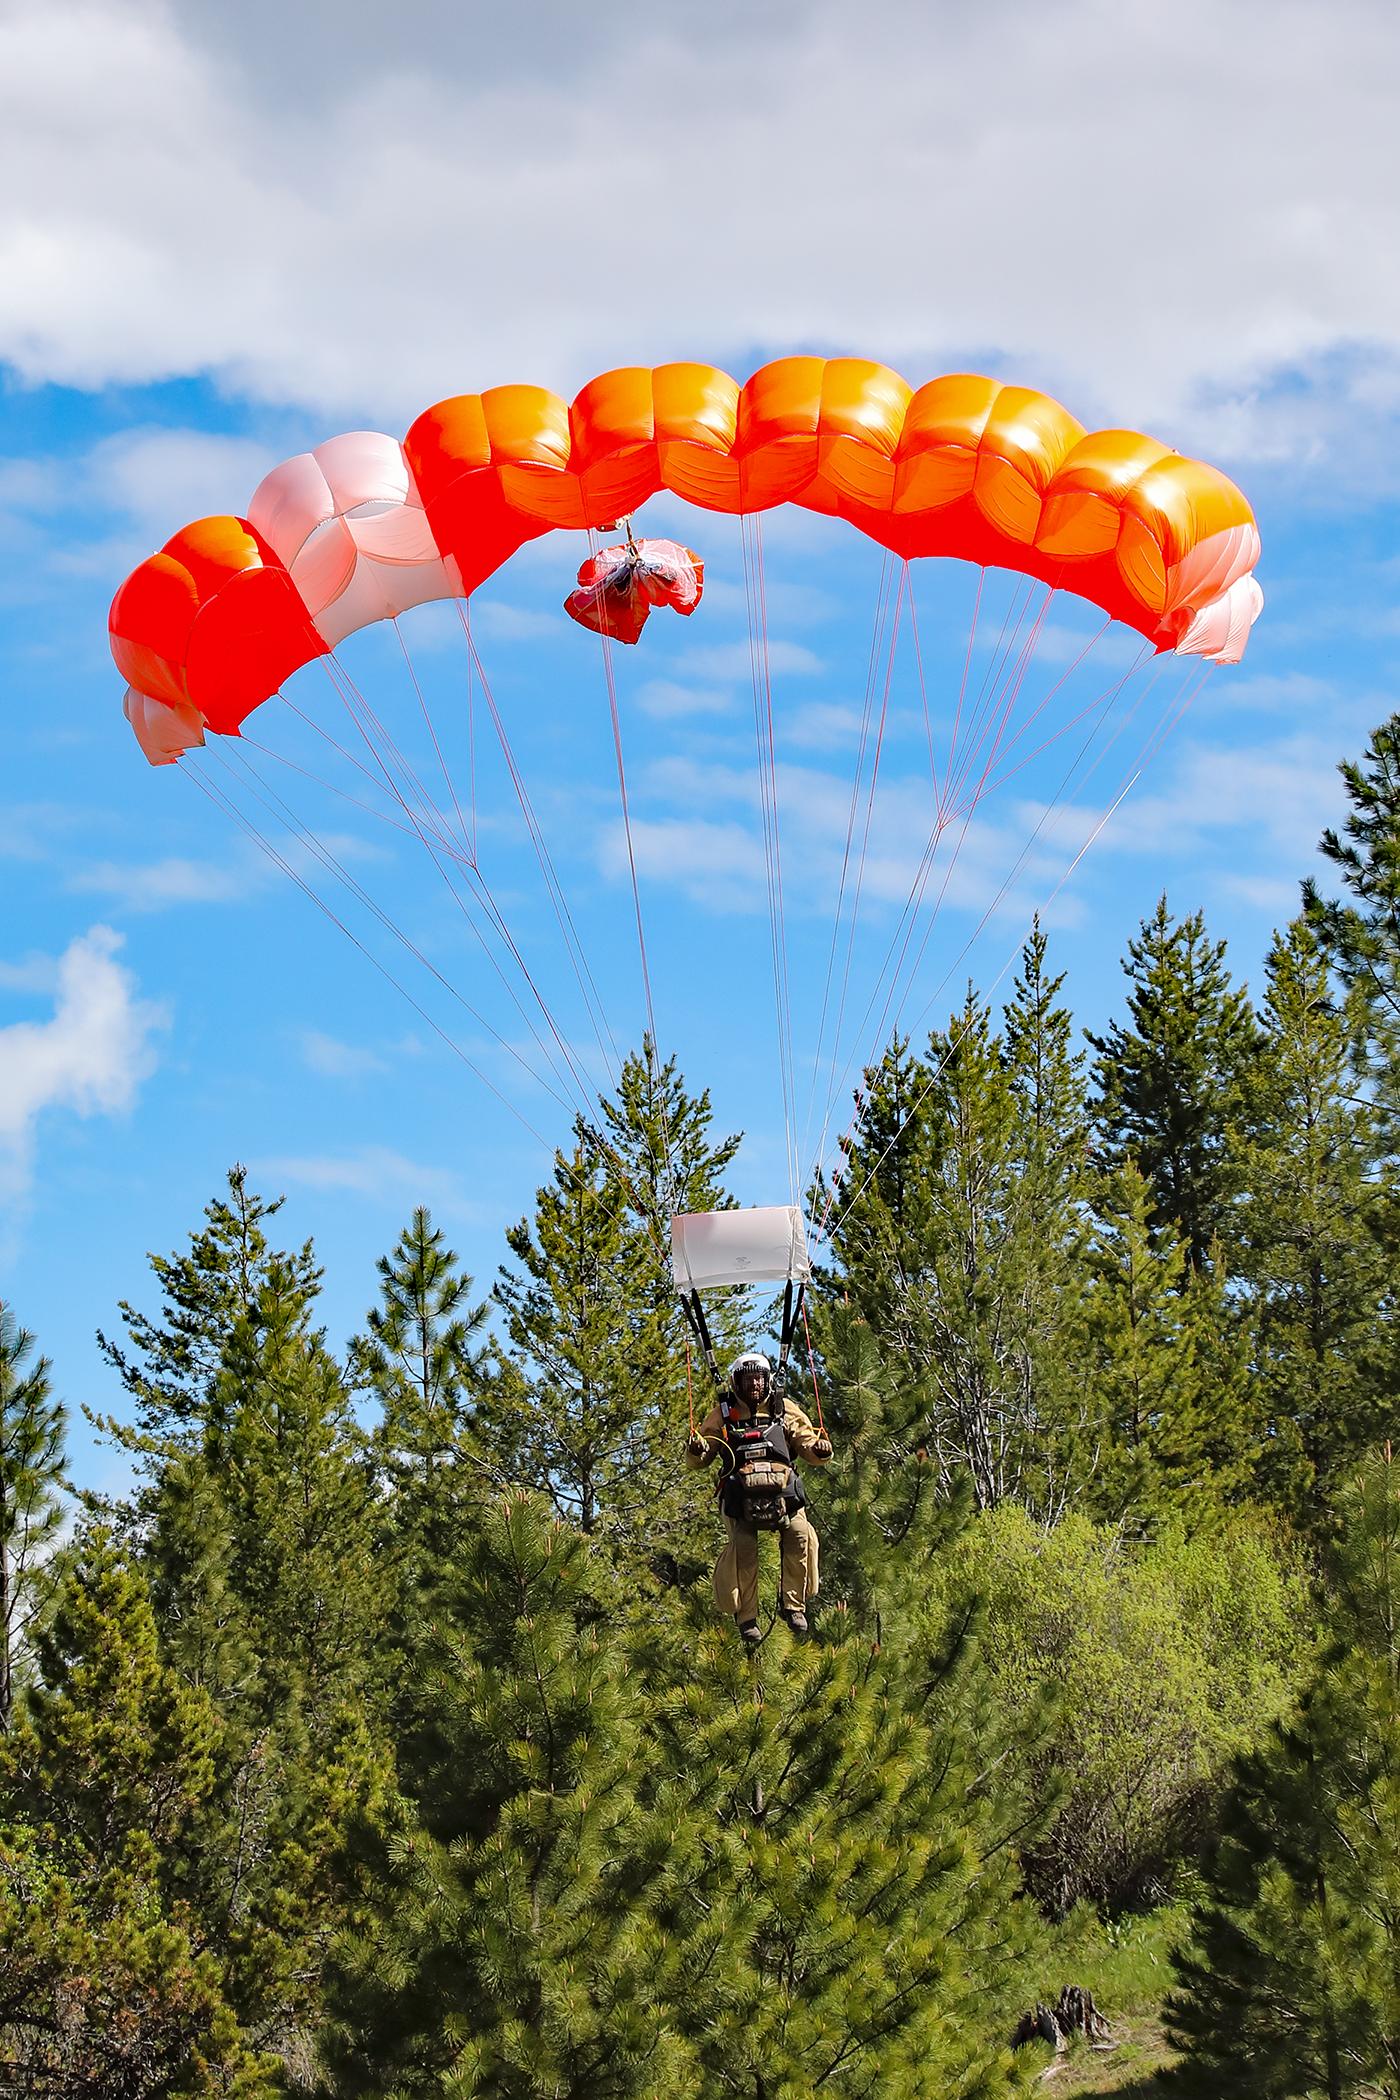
column 700, row 1328
column 793, row 1296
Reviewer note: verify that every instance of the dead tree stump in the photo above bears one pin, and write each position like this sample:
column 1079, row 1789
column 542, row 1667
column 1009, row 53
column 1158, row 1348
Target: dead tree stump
column 1074, row 2012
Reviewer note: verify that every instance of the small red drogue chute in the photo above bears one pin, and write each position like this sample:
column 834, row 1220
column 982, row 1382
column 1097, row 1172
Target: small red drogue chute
column 618, row 586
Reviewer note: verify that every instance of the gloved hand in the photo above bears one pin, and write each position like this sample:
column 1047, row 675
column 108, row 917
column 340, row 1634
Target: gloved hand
column 822, row 1447
column 696, row 1445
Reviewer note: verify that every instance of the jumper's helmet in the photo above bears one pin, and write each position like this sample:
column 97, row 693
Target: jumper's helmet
column 753, row 1362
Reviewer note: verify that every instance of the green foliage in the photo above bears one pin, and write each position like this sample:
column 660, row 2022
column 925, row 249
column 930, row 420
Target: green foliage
column 658, row 1137
column 170, row 1362
column 884, row 1492
column 1288, row 1987
column 1166, row 1399
column 519, row 1950
column 1125, row 1960
column 423, row 1356
column 1313, row 1231
column 293, row 1472
column 32, row 1480
column 1361, row 938
column 426, row 1360
column 958, row 1239
column 400, row 1747
column 261, row 1546
column 590, row 1404
column 1171, row 1079
column 105, row 1985
column 1164, row 1657
column 632, row 1861
column 582, row 1413
column 847, row 1842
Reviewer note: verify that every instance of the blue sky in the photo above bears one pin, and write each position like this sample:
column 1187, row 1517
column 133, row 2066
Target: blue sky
column 225, row 239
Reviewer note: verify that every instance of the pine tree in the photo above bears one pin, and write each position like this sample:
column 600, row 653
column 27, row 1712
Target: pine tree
column 590, row 1406
column 425, row 1359
column 105, row 1983
column 32, row 1481
column 1047, row 1081
column 1171, row 1423
column 293, row 1468
column 1362, row 938
column 877, row 1210
column 1312, row 1251
column 518, row 1949
column 625, row 1873
column 655, row 1138
column 1048, row 1201
column 966, row 1316
column 884, row 1493
column 1289, row 1985
column 658, row 1136
column 838, row 1844
column 170, row 1362
column 959, row 1239
column 262, row 1553
column 423, row 1355
column 1170, row 1081
column 580, row 1419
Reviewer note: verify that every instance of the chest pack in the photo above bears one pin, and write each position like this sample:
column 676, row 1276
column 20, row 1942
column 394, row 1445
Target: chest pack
column 760, row 1486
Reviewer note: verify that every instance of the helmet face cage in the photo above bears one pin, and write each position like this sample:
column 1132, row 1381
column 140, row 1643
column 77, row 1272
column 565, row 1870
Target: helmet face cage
column 756, row 1363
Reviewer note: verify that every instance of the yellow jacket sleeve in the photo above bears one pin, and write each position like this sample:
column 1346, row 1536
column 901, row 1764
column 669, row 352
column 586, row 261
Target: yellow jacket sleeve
column 712, row 1429
column 802, row 1435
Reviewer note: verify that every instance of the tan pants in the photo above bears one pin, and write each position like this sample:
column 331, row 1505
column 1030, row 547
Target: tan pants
column 736, row 1570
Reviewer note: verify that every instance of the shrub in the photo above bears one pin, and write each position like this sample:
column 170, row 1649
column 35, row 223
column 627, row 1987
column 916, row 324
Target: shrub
column 1166, row 1658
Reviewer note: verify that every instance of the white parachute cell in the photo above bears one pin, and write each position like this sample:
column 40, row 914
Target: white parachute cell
column 767, row 1245
column 349, row 523
column 165, row 729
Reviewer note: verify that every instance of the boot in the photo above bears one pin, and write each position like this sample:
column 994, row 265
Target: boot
column 797, row 1622
column 749, row 1633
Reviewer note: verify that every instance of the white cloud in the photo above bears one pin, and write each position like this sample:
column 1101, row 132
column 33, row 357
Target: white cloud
column 367, row 217
column 823, row 725
column 89, row 1057
column 374, row 1171
column 162, row 478
column 666, row 700
column 736, row 660
column 513, row 623
column 1113, row 648
column 28, row 830
column 1279, row 693
column 36, row 973
column 159, row 884
column 30, row 485
column 718, row 861
column 1280, row 797
column 718, row 865
column 337, row 1060
column 1268, row 893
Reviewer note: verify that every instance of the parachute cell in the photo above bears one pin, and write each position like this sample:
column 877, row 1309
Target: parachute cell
column 349, row 524
column 213, row 621
column 165, row 730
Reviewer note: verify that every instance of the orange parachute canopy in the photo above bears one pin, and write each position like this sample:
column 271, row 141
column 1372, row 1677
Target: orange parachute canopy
column 364, row 527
